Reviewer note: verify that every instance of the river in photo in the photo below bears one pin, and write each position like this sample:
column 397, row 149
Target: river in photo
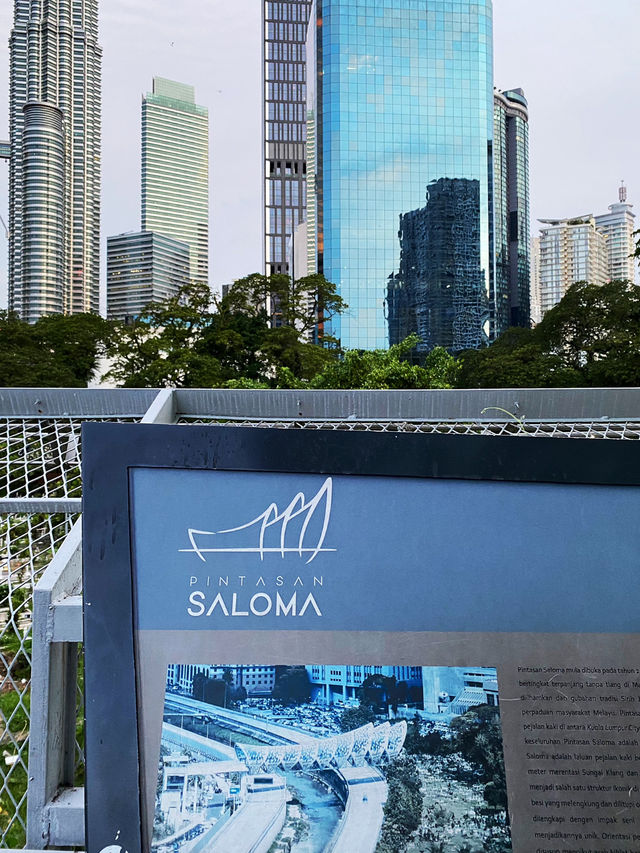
column 321, row 810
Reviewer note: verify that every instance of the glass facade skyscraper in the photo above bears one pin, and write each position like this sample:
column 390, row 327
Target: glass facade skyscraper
column 285, row 105
column 510, row 305
column 54, row 166
column 402, row 108
column 175, row 170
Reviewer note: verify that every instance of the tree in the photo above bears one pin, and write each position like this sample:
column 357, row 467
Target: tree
column 354, row 718
column 477, row 736
column 403, row 809
column 389, row 369
column 184, row 341
column 270, row 321
column 292, row 685
column 159, row 348
column 56, row 351
column 377, row 691
column 590, row 338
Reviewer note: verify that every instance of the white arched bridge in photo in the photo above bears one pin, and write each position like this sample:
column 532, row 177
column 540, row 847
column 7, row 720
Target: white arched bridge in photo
column 368, row 744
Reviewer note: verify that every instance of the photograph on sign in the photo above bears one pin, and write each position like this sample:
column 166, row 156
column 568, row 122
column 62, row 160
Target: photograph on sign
column 330, row 757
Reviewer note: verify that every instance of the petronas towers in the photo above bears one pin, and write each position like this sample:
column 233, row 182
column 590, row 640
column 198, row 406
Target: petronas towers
column 54, row 171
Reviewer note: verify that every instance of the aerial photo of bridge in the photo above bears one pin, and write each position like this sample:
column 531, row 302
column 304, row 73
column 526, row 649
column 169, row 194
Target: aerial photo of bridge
column 268, row 759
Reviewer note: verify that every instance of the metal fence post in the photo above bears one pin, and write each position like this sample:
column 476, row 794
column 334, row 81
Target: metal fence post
column 57, row 630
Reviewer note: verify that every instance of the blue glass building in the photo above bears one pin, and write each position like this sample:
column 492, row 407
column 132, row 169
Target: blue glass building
column 401, row 111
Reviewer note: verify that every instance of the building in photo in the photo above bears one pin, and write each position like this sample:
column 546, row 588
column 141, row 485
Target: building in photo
column 333, row 683
column 256, row 680
column 454, row 689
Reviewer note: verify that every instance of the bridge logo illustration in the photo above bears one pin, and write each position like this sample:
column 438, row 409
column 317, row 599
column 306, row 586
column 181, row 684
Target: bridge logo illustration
column 294, row 539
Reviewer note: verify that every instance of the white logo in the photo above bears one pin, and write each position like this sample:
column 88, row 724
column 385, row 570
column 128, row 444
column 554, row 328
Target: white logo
column 270, row 517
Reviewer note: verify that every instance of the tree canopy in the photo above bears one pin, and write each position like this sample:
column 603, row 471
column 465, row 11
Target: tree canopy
column 56, row 351
column 590, row 338
column 273, row 333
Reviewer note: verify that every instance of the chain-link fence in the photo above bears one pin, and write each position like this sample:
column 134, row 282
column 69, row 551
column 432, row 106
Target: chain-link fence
column 40, row 487
column 39, row 476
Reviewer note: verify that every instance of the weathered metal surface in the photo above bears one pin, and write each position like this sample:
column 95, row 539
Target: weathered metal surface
column 75, row 402
column 53, row 691
column 554, row 404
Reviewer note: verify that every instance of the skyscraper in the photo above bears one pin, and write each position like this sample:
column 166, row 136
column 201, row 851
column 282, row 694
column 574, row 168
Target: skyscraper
column 54, row 168
column 439, row 291
column 511, row 303
column 285, row 30
column 571, row 250
column 402, row 107
column 618, row 228
column 175, row 170
column 143, row 267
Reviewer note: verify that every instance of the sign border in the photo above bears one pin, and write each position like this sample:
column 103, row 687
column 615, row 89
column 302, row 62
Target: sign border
column 110, row 450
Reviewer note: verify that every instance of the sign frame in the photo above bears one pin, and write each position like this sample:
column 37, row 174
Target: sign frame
column 113, row 787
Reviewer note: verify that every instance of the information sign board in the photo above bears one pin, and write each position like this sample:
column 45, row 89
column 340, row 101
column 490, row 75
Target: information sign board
column 360, row 642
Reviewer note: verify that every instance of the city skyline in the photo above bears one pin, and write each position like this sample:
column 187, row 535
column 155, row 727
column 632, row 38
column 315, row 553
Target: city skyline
column 218, row 50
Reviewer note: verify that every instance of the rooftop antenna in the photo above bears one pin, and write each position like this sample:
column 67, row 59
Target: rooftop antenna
column 622, row 192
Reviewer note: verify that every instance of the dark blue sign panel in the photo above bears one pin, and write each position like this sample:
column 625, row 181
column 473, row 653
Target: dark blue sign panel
column 239, row 550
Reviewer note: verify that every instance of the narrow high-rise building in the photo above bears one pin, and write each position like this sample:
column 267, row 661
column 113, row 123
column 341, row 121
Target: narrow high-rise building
column 571, row 250
column 285, row 105
column 536, row 299
column 54, row 168
column 618, row 228
column 175, row 170
column 143, row 267
column 402, row 109
column 511, row 304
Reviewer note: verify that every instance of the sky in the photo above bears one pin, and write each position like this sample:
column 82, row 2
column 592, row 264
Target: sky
column 577, row 61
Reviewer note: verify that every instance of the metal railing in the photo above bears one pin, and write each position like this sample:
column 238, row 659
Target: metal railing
column 40, row 564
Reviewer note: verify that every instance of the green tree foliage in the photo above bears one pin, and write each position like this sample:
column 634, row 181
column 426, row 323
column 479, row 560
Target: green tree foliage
column 353, row 718
column 590, row 338
column 431, row 743
column 187, row 342
column 159, row 348
column 389, row 369
column 57, row 351
column 403, row 809
column 477, row 736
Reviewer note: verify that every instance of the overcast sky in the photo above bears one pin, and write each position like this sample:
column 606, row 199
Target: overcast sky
column 577, row 61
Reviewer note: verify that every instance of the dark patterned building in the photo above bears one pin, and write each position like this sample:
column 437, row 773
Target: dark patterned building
column 285, row 105
column 439, row 291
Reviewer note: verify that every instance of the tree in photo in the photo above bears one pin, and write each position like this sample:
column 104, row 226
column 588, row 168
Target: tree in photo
column 292, row 686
